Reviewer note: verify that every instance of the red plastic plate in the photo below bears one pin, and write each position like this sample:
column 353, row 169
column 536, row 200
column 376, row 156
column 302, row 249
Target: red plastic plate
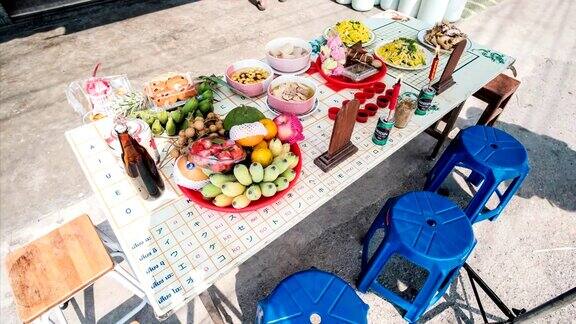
column 344, row 82
column 197, row 198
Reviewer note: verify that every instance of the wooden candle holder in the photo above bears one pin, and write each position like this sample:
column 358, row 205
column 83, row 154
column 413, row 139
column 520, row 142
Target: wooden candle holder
column 446, row 80
column 340, row 147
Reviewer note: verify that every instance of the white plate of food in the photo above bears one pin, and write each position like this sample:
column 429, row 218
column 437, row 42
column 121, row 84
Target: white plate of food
column 445, row 35
column 405, row 54
column 353, row 31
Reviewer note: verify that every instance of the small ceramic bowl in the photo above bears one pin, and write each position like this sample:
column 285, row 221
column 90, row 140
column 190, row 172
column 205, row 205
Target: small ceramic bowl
column 251, row 90
column 360, row 96
column 297, row 108
column 288, row 65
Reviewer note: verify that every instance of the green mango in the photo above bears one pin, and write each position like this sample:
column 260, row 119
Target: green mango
column 185, row 124
column 207, row 95
column 150, row 120
column 157, row 128
column 163, row 117
column 205, row 106
column 171, row 129
column 202, row 87
column 177, row 116
column 190, row 106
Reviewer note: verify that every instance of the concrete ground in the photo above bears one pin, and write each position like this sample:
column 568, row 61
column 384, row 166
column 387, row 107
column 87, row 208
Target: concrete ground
column 528, row 255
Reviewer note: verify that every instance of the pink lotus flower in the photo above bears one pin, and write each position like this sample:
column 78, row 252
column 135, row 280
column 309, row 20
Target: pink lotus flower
column 289, row 128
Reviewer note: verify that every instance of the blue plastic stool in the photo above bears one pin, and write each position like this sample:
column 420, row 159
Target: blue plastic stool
column 312, row 296
column 428, row 230
column 493, row 156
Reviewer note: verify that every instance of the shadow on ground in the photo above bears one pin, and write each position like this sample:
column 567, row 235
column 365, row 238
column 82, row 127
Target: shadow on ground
column 81, row 18
column 329, row 239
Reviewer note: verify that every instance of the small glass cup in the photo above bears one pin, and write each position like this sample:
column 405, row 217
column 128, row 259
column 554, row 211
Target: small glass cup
column 405, row 109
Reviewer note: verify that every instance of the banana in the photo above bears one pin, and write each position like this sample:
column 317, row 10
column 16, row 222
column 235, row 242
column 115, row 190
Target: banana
column 271, row 173
column 289, row 175
column 292, row 160
column 281, row 183
column 268, row 189
column 210, row 191
column 275, row 146
column 242, row 174
column 253, row 192
column 233, row 189
column 285, row 148
column 240, row 202
column 256, row 172
column 218, row 179
column 222, row 200
column 282, row 165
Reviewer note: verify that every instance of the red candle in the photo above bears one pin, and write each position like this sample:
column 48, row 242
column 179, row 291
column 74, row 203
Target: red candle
column 434, row 66
column 395, row 95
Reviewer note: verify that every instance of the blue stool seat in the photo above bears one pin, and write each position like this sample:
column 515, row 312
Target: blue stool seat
column 312, row 296
column 426, row 229
column 493, row 156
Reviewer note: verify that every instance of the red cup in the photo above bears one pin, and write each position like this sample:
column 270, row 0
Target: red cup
column 344, row 103
column 333, row 112
column 360, row 96
column 369, row 92
column 362, row 116
column 379, row 87
column 389, row 92
column 382, row 101
column 371, row 109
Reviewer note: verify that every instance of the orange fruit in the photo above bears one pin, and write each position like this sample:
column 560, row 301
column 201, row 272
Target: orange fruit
column 270, row 127
column 250, row 140
column 263, row 156
column 261, row 145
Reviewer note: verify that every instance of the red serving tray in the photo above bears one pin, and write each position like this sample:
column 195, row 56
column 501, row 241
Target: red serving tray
column 197, row 197
column 344, row 82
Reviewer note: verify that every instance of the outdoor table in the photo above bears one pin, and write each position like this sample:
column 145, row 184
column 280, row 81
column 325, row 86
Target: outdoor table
column 178, row 249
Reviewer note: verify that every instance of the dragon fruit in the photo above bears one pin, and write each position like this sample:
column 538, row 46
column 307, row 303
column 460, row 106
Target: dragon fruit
column 289, row 128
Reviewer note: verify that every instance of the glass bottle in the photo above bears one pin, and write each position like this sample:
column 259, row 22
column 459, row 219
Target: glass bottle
column 139, row 166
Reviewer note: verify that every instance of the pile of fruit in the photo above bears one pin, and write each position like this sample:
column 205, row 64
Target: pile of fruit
column 184, row 117
column 251, row 161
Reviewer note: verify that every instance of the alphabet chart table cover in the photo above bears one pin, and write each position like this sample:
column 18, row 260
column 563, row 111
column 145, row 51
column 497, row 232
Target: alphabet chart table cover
column 178, row 249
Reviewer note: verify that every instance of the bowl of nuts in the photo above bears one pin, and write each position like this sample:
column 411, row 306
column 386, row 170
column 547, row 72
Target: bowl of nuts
column 292, row 94
column 250, row 77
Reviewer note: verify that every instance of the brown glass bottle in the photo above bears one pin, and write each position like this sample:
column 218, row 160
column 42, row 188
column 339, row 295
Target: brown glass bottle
column 139, row 166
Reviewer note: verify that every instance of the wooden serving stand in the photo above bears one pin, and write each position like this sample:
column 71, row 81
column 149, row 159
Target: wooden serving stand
column 446, row 80
column 340, row 147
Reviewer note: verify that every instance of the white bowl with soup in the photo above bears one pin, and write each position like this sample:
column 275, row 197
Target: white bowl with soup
column 292, row 94
column 288, row 54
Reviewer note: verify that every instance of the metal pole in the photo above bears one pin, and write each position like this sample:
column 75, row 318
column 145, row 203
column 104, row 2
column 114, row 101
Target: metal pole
column 554, row 303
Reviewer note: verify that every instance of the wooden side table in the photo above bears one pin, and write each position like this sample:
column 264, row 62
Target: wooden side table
column 48, row 271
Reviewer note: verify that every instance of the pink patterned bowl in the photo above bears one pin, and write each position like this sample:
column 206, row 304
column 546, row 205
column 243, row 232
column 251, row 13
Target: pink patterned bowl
column 288, row 65
column 251, row 90
column 297, row 108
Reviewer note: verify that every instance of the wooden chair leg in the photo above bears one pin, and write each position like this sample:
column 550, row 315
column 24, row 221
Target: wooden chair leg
column 450, row 121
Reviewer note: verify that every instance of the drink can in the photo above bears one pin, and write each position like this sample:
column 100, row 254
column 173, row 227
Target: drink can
column 141, row 132
column 382, row 131
column 425, row 100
